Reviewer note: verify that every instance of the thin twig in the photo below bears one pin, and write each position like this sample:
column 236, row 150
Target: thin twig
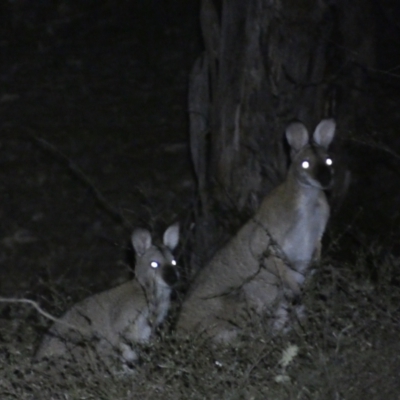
column 40, row 310
column 376, row 145
column 73, row 167
column 83, row 178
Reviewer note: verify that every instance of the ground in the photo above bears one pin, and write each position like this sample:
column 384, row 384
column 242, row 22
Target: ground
column 94, row 142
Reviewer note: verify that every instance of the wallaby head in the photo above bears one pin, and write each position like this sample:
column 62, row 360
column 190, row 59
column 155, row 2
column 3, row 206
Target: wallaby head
column 156, row 264
column 311, row 164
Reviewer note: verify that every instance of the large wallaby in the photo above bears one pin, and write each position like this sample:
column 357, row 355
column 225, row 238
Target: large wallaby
column 265, row 264
column 116, row 319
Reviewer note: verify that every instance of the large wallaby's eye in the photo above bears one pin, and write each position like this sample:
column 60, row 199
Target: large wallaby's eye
column 329, row 161
column 305, row 165
column 173, row 262
column 154, row 264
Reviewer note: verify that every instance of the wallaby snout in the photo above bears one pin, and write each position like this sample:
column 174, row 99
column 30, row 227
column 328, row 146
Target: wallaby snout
column 262, row 269
column 324, row 175
column 170, row 275
column 114, row 320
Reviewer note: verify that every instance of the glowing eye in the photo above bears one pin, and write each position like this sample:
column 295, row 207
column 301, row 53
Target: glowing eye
column 154, row 264
column 305, row 164
column 173, row 262
column 328, row 161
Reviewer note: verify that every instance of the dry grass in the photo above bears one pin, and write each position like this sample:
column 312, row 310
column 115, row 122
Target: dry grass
column 347, row 349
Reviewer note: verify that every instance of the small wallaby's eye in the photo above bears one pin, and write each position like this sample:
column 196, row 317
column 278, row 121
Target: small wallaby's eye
column 154, row 264
column 305, row 164
column 173, row 262
column 329, row 161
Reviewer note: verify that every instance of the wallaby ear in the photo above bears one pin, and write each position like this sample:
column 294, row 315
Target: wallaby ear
column 324, row 132
column 141, row 241
column 297, row 136
column 171, row 236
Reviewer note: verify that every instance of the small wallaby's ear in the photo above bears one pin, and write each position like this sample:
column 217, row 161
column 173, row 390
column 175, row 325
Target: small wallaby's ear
column 141, row 241
column 297, row 136
column 171, row 236
column 324, row 132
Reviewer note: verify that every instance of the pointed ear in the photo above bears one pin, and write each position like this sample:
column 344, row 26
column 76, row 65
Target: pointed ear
column 141, row 241
column 297, row 136
column 171, row 236
column 324, row 132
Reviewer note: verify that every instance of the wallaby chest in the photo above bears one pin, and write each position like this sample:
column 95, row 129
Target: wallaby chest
column 306, row 230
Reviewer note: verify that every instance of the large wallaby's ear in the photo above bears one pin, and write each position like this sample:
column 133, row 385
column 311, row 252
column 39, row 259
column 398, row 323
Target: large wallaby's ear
column 171, row 236
column 141, row 241
column 297, row 136
column 324, row 132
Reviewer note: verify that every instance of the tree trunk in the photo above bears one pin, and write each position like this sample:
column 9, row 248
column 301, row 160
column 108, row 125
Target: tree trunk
column 266, row 62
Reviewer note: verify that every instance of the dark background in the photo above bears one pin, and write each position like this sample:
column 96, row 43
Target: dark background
column 94, row 141
column 93, row 98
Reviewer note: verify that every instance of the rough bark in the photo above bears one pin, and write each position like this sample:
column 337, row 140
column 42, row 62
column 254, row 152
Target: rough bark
column 266, row 62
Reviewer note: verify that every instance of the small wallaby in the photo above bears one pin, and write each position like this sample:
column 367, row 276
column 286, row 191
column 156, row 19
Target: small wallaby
column 114, row 320
column 264, row 266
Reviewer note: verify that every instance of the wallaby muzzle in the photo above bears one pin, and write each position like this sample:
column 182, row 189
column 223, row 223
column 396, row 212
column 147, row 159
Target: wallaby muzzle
column 324, row 175
column 170, row 275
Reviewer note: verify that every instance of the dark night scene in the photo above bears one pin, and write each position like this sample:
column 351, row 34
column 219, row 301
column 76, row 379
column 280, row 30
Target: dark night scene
column 199, row 199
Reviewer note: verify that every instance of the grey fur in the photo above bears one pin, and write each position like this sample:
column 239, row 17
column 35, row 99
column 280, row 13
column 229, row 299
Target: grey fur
column 263, row 267
column 114, row 320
